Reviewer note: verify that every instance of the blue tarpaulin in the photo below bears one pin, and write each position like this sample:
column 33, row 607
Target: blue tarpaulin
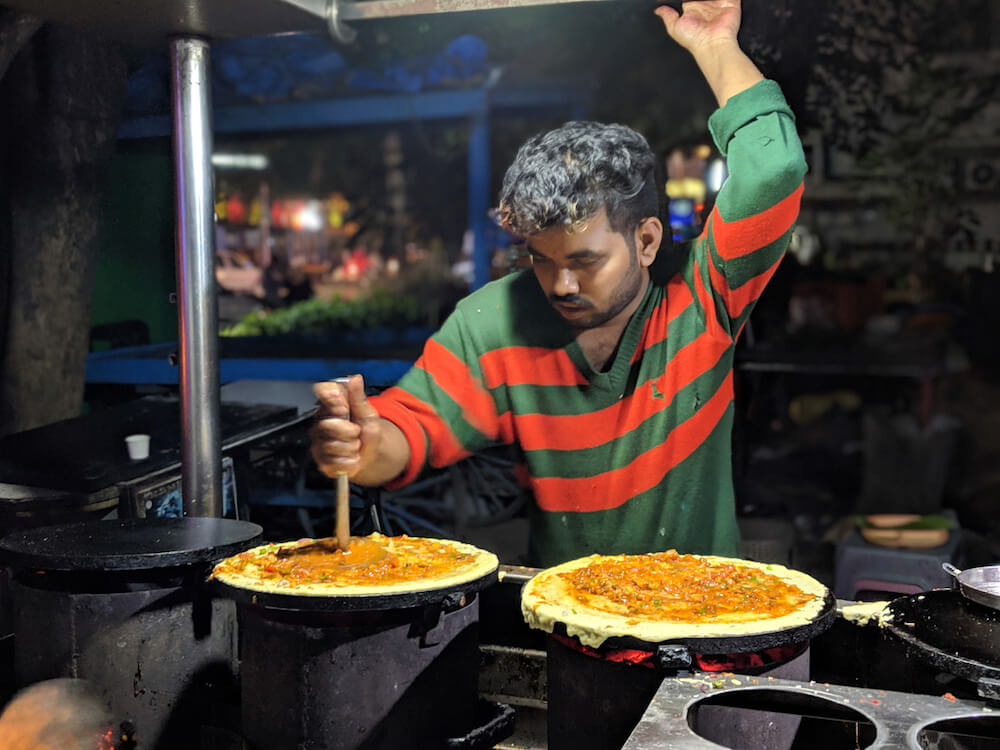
column 304, row 66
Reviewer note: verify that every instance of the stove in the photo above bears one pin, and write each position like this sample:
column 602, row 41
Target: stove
column 868, row 685
column 455, row 668
column 375, row 672
column 121, row 604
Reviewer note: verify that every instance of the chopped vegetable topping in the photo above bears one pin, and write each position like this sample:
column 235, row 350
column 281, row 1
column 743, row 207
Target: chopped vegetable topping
column 405, row 559
column 668, row 584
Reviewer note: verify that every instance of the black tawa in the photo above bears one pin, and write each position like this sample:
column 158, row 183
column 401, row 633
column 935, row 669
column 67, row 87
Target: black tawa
column 452, row 596
column 133, row 544
column 950, row 632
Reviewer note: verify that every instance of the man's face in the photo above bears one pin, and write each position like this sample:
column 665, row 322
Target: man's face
column 592, row 277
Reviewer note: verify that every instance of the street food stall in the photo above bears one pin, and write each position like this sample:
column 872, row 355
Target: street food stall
column 379, row 671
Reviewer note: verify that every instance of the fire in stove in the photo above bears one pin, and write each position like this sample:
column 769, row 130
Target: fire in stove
column 63, row 714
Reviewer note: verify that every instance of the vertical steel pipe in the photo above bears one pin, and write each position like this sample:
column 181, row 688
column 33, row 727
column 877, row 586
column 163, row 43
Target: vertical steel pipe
column 201, row 450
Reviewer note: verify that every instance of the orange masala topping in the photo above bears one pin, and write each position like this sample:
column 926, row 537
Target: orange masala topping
column 405, row 559
column 671, row 586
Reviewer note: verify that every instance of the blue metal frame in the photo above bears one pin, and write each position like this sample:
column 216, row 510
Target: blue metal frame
column 152, row 365
column 475, row 104
column 478, row 201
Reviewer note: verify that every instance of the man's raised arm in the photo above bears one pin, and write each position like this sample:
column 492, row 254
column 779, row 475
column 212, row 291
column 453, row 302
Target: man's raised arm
column 707, row 29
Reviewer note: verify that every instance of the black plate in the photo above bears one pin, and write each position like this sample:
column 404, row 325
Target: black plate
column 360, row 602
column 950, row 632
column 738, row 644
column 128, row 544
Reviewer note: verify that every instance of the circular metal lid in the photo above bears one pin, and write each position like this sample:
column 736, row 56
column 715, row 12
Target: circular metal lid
column 128, row 544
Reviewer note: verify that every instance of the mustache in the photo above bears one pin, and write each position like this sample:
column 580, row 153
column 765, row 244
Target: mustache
column 570, row 299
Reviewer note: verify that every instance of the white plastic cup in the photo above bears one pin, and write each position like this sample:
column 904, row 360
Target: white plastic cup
column 138, row 447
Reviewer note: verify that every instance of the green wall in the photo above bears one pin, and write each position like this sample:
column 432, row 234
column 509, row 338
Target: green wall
column 135, row 265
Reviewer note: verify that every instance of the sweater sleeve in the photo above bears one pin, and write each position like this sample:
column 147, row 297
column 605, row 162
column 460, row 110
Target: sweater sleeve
column 441, row 404
column 751, row 224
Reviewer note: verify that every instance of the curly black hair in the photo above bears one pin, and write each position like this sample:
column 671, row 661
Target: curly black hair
column 565, row 176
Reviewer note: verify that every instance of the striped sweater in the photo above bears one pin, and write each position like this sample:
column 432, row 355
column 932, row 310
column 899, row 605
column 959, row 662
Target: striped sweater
column 638, row 457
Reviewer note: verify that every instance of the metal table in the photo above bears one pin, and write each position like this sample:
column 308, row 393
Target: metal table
column 73, row 469
column 861, row 361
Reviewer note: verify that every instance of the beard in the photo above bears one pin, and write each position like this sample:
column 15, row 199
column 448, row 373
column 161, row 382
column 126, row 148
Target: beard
column 621, row 297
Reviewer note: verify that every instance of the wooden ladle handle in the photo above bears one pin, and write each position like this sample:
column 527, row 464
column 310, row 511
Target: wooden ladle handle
column 343, row 517
column 342, row 510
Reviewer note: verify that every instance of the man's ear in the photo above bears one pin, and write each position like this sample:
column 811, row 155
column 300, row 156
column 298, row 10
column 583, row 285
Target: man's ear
column 648, row 236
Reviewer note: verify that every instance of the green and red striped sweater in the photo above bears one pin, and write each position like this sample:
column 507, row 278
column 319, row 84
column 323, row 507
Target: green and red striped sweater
column 636, row 458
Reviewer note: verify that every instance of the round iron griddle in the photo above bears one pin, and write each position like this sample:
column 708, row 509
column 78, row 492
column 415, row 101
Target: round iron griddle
column 735, row 644
column 361, row 602
column 128, row 544
column 950, row 632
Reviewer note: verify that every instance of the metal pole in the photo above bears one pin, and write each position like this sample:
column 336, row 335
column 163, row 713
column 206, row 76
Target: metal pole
column 201, row 450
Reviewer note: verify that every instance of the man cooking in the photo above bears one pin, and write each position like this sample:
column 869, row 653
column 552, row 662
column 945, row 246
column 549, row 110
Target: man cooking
column 613, row 378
